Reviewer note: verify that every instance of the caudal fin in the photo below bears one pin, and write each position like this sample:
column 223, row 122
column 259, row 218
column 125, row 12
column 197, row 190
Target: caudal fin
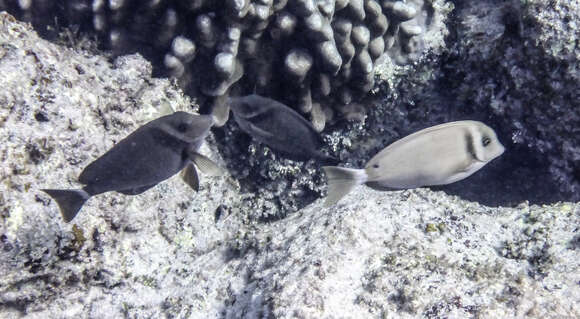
column 69, row 201
column 341, row 181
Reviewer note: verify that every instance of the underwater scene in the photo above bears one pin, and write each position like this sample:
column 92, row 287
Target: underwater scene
column 289, row 159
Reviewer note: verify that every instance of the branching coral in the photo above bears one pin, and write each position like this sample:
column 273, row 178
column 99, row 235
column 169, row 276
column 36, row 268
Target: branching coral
column 316, row 55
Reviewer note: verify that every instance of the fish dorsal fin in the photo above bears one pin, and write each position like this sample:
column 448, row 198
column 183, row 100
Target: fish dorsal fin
column 428, row 130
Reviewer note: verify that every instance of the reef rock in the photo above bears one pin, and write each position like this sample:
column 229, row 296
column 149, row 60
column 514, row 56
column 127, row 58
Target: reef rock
column 172, row 252
column 524, row 73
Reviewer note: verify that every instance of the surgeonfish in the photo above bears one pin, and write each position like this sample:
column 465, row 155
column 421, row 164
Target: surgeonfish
column 151, row 154
column 279, row 127
column 437, row 155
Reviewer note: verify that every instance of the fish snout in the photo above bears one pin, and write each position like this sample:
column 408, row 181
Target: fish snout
column 207, row 120
column 501, row 149
column 497, row 151
column 199, row 126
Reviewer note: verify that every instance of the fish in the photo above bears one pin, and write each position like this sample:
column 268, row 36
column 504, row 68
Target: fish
column 279, row 127
column 151, row 154
column 437, row 155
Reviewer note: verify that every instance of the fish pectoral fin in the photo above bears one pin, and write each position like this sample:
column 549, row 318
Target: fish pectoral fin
column 136, row 190
column 189, row 176
column 260, row 131
column 205, row 165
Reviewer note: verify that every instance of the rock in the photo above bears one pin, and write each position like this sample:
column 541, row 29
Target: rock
column 412, row 254
column 533, row 91
column 170, row 252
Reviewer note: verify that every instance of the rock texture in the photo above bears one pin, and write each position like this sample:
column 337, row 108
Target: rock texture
column 173, row 253
column 316, row 55
column 525, row 73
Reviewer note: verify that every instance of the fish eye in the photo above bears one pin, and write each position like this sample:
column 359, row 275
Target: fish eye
column 485, row 141
column 182, row 127
column 376, row 166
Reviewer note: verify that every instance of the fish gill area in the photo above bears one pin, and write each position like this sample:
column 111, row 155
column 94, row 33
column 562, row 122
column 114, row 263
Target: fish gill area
column 257, row 243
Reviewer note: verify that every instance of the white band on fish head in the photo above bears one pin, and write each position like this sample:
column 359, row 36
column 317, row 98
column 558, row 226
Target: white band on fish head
column 473, row 144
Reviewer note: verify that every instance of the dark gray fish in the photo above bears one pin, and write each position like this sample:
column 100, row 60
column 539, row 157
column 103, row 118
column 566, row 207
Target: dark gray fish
column 148, row 156
column 279, row 127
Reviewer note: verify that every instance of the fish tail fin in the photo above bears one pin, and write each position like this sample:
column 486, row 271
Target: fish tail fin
column 69, row 201
column 341, row 181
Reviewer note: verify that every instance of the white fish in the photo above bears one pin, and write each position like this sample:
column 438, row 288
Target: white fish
column 437, row 155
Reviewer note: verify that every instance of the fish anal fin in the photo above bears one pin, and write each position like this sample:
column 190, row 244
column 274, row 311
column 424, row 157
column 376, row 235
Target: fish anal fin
column 136, row 190
column 378, row 187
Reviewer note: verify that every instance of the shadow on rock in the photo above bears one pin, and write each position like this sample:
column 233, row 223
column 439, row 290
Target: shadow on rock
column 518, row 175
